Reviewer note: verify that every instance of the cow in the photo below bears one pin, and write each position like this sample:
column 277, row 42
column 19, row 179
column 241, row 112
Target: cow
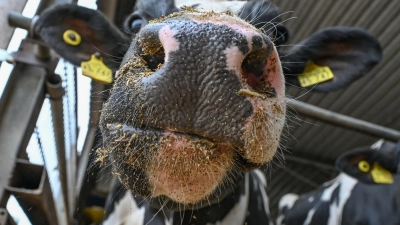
column 198, row 102
column 365, row 192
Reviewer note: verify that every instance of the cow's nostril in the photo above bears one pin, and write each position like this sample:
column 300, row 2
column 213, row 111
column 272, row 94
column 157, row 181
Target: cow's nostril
column 150, row 49
column 253, row 70
column 153, row 53
column 253, row 67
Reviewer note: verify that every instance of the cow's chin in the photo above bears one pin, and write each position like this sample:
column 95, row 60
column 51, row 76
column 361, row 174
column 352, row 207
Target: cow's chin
column 185, row 168
column 188, row 168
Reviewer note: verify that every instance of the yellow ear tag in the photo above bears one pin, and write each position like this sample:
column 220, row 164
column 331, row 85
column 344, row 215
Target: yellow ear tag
column 95, row 69
column 314, row 74
column 72, row 37
column 364, row 166
column 94, row 213
column 380, row 175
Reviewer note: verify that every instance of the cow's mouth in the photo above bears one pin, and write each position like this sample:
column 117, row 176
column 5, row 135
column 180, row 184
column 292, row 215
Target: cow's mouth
column 184, row 167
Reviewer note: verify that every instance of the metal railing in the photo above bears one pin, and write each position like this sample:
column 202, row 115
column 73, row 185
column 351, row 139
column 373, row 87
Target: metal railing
column 32, row 85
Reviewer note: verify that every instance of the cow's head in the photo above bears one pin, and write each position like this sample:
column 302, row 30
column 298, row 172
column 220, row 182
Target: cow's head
column 371, row 166
column 199, row 97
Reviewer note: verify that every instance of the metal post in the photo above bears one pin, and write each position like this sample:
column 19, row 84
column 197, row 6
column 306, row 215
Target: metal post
column 84, row 183
column 16, row 19
column 84, row 160
column 56, row 92
column 343, row 121
column 5, row 218
column 315, row 163
column 20, row 105
column 30, row 184
column 23, row 98
column 7, row 31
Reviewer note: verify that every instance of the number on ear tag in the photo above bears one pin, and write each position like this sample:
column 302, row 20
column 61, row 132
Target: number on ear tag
column 314, row 74
column 95, row 69
column 380, row 175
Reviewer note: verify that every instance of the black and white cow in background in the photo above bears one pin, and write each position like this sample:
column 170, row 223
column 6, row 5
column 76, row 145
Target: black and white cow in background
column 367, row 191
column 198, row 102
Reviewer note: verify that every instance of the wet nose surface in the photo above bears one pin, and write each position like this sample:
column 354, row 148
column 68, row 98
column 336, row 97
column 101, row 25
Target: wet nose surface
column 199, row 67
column 195, row 90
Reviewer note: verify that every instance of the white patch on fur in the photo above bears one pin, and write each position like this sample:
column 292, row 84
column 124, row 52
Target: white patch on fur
column 168, row 221
column 327, row 193
column 237, row 215
column 347, row 185
column 287, row 201
column 126, row 212
column 310, row 215
column 262, row 186
column 214, row 5
column 377, row 145
column 261, row 177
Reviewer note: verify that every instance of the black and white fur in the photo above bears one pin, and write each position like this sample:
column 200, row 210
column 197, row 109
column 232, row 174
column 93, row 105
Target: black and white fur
column 352, row 197
column 247, row 204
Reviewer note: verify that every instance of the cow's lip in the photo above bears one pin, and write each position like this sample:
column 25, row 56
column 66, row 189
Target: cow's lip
column 184, row 167
column 124, row 127
column 114, row 127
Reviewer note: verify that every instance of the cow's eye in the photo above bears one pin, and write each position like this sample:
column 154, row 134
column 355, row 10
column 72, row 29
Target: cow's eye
column 280, row 38
column 280, row 35
column 136, row 25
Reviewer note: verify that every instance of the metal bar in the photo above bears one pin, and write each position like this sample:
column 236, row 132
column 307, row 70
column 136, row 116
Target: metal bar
column 30, row 185
column 72, row 179
column 56, row 92
column 83, row 182
column 343, row 121
column 96, row 103
column 315, row 163
column 84, row 159
column 19, row 112
column 86, row 181
column 73, row 160
column 40, row 58
column 7, row 31
column 5, row 218
column 20, row 105
column 16, row 19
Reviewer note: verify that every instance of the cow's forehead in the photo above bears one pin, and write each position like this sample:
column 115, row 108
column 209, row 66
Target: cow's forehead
column 208, row 5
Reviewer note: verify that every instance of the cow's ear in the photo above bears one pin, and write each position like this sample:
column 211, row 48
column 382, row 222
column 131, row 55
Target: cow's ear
column 369, row 165
column 76, row 33
column 266, row 16
column 348, row 53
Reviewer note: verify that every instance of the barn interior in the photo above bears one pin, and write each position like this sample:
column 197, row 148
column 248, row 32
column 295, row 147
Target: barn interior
column 41, row 112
